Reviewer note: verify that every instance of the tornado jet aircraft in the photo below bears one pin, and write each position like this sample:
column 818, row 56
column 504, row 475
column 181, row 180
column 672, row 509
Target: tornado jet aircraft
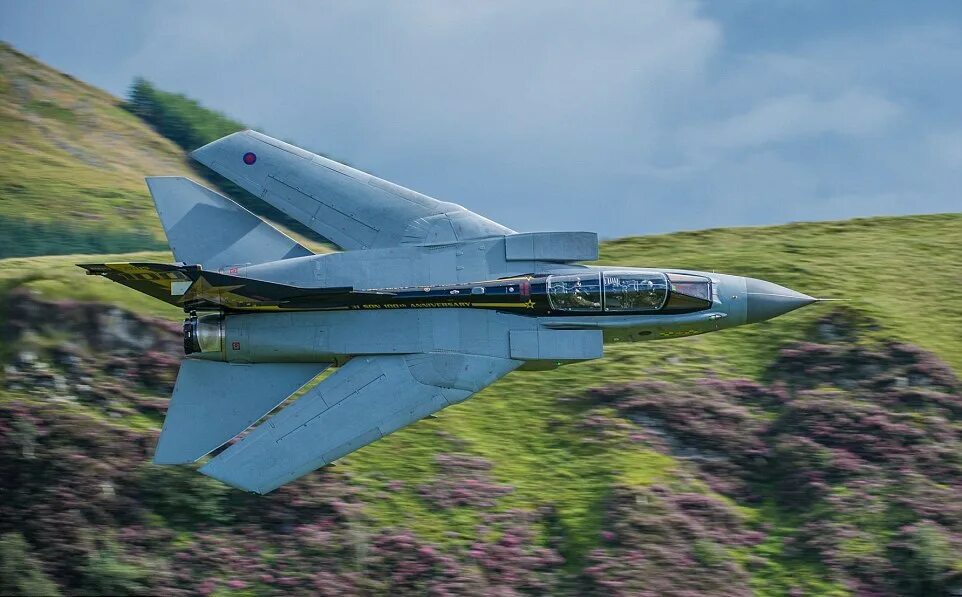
column 425, row 304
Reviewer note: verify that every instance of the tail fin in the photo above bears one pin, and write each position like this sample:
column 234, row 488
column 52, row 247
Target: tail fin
column 210, row 230
column 215, row 401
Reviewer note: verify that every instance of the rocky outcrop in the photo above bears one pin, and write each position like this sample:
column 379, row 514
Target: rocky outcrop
column 89, row 352
column 100, row 327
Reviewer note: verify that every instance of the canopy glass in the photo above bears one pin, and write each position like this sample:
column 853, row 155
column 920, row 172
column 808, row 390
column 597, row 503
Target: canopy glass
column 635, row 291
column 614, row 291
column 575, row 292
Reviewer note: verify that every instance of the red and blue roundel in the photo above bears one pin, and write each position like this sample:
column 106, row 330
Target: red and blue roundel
column 250, row 158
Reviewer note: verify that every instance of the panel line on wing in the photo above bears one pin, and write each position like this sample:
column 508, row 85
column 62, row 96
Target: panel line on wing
column 308, row 422
column 319, row 201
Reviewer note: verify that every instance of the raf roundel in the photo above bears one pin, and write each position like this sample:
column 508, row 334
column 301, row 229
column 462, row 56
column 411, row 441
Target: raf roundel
column 250, row 158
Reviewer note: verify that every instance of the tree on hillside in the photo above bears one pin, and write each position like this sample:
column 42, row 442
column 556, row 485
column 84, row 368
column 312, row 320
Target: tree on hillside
column 177, row 117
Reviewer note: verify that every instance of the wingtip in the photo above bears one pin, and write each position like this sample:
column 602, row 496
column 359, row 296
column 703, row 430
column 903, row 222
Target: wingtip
column 197, row 153
column 205, row 153
column 212, row 470
column 162, row 178
column 92, row 269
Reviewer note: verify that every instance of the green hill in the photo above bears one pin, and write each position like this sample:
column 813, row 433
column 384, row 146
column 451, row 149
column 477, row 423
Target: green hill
column 555, row 455
column 73, row 165
column 817, row 453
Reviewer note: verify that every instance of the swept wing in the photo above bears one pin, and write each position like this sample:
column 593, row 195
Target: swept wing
column 352, row 209
column 363, row 401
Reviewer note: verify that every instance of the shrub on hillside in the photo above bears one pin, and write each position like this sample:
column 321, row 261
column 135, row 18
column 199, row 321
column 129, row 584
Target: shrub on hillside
column 462, row 480
column 861, row 443
column 661, row 542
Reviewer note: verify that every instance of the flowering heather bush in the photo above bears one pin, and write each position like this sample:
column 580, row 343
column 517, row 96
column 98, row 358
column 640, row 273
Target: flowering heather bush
column 61, row 472
column 462, row 480
column 514, row 558
column 103, row 328
column 889, row 366
column 511, row 564
column 875, row 452
column 309, row 537
column 862, row 444
column 711, row 422
column 400, row 563
column 599, row 426
column 658, row 542
column 114, row 361
column 86, row 501
column 857, row 446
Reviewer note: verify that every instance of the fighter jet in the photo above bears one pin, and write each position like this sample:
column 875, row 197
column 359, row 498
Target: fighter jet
column 425, row 304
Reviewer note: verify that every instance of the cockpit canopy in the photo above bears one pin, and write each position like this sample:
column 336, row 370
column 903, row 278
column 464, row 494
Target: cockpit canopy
column 629, row 292
column 634, row 291
column 620, row 291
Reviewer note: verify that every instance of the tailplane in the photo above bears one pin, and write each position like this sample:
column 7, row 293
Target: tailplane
column 194, row 289
column 208, row 229
column 215, row 401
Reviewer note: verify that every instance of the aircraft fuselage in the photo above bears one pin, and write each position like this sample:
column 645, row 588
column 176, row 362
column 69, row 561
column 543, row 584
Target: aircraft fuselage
column 623, row 304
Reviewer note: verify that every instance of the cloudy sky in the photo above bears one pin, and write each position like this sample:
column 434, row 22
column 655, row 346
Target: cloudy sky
column 625, row 118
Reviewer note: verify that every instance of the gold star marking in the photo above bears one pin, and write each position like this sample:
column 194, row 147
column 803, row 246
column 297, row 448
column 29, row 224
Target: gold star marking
column 202, row 290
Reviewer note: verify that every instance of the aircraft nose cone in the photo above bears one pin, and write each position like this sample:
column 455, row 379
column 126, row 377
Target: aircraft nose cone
column 767, row 300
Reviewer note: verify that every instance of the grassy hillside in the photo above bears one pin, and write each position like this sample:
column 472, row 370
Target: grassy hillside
column 536, row 436
column 73, row 165
column 900, row 271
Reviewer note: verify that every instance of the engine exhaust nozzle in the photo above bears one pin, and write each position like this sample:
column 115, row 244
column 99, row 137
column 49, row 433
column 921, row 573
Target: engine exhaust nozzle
column 204, row 334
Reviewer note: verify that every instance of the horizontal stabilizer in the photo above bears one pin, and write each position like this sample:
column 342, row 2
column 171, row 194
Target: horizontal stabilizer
column 208, row 229
column 190, row 287
column 213, row 402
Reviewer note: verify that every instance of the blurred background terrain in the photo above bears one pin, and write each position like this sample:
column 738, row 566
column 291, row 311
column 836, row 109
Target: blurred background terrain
column 816, row 454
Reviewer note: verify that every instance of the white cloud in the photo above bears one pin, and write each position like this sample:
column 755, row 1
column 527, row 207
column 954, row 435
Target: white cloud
column 490, row 76
column 791, row 117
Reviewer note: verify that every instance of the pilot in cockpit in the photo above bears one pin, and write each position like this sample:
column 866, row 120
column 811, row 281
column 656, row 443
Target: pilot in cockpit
column 579, row 296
